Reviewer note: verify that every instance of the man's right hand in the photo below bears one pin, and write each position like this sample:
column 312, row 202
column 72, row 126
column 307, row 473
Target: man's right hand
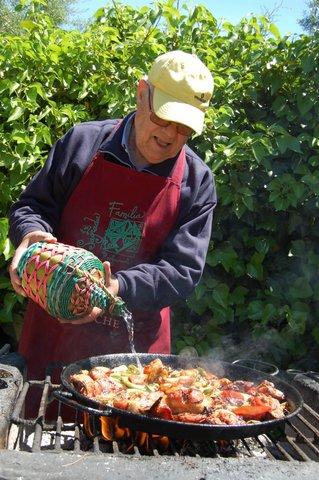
column 32, row 237
column 112, row 286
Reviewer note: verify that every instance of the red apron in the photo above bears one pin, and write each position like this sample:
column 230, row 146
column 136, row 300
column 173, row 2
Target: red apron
column 123, row 216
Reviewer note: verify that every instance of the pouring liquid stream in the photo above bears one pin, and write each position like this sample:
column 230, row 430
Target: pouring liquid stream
column 129, row 322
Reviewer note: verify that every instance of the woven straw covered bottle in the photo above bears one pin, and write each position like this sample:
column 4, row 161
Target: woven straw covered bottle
column 66, row 281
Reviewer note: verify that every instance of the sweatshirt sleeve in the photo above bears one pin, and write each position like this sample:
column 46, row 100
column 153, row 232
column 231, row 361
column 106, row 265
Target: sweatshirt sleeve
column 181, row 260
column 41, row 203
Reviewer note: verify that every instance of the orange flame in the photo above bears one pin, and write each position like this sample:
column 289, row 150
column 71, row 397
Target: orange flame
column 111, row 431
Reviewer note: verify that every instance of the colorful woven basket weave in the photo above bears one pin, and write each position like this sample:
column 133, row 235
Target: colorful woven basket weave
column 66, row 281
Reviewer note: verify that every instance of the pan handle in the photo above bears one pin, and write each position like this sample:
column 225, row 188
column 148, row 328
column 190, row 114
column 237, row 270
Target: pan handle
column 68, row 399
column 257, row 365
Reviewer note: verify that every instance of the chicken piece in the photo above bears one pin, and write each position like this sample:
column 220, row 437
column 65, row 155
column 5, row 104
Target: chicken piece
column 137, row 402
column 183, row 399
column 173, row 382
column 191, row 418
column 161, row 410
column 99, row 372
column 121, row 402
column 217, row 403
column 224, row 417
column 268, row 388
column 155, row 370
column 148, row 400
column 83, row 383
column 277, row 408
column 224, row 382
column 186, row 380
column 240, row 386
column 233, row 397
column 105, row 386
column 209, row 376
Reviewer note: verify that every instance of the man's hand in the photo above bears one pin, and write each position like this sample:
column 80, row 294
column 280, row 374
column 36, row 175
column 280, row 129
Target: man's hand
column 112, row 286
column 32, row 237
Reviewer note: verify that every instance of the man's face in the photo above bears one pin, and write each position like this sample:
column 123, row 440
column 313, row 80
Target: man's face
column 155, row 143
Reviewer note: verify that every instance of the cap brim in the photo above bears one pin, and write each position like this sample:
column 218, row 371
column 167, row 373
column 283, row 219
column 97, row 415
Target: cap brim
column 171, row 109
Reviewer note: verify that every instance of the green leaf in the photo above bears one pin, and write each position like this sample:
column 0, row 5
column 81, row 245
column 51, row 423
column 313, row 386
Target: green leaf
column 7, row 249
column 288, row 141
column 226, row 256
column 259, row 152
column 262, row 245
column 238, row 296
column 16, row 113
column 248, row 202
column 13, row 87
column 84, row 91
column 188, row 340
column 203, row 347
column 275, row 31
column 221, row 294
column 297, row 317
column 180, row 344
column 304, row 103
column 32, row 94
column 255, row 268
column 279, row 105
column 28, row 25
column 294, row 144
column 199, row 306
column 300, row 289
column 5, row 283
column 4, row 227
column 255, row 310
column 282, row 143
column 307, row 63
column 255, row 271
column 276, row 83
column 10, row 300
column 200, row 291
column 269, row 312
column 315, row 333
column 298, row 248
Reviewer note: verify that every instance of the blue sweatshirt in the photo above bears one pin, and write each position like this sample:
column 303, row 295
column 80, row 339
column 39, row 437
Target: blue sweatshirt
column 180, row 262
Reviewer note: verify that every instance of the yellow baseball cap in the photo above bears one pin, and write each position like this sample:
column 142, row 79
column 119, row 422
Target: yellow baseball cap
column 183, row 86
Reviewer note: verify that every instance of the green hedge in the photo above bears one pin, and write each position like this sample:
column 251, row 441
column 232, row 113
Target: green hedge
column 259, row 293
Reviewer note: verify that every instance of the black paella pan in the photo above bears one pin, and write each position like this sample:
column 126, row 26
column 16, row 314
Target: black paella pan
column 171, row 428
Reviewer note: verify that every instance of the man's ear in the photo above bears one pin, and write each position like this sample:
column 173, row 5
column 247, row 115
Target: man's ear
column 141, row 91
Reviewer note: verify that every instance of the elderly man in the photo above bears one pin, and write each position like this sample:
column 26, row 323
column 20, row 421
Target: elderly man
column 133, row 193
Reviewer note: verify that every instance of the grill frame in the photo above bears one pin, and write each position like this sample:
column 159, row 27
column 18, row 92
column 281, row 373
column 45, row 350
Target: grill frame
column 284, row 447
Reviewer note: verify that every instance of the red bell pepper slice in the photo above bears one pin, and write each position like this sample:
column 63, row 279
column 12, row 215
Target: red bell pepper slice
column 252, row 412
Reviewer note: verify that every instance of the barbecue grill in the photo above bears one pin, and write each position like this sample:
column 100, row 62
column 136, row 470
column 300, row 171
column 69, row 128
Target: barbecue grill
column 39, row 448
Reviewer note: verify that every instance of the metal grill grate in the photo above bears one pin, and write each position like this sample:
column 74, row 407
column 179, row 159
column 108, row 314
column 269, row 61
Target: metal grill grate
column 299, row 440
